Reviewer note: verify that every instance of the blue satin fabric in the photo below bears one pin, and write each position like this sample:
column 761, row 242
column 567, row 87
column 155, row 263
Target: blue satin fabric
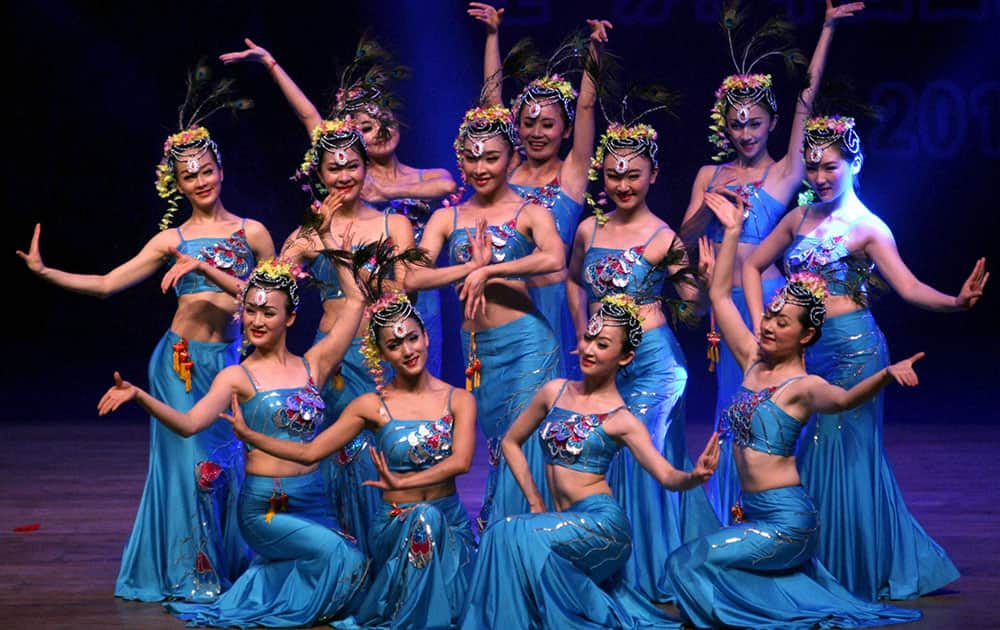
column 869, row 540
column 723, row 488
column 424, row 554
column 305, row 572
column 558, row 570
column 565, row 210
column 550, row 300
column 517, row 358
column 232, row 255
column 185, row 542
column 762, row 573
column 354, row 503
column 653, row 388
column 763, row 211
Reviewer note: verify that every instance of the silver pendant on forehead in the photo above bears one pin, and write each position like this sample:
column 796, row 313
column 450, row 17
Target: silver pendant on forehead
column 743, row 112
column 777, row 303
column 815, row 153
column 534, row 110
column 399, row 329
column 372, row 109
column 193, row 165
column 260, row 297
column 595, row 325
column 340, row 157
column 621, row 166
column 477, row 148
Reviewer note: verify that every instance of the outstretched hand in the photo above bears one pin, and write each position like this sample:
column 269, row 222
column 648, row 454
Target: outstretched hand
column 183, row 265
column 33, row 257
column 236, row 419
column 388, row 480
column 903, row 371
column 599, row 30
column 706, row 259
column 708, row 461
column 727, row 206
column 120, row 393
column 845, row 10
column 252, row 53
column 972, row 288
column 489, row 15
column 333, row 202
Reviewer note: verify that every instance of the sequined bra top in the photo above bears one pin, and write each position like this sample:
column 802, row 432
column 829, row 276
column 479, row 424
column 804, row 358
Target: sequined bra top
column 607, row 271
column 754, row 421
column 844, row 272
column 324, row 273
column 287, row 413
column 565, row 210
column 506, row 242
column 761, row 211
column 231, row 254
column 577, row 440
column 415, row 444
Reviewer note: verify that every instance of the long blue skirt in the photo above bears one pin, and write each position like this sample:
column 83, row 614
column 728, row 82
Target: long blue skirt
column 551, row 303
column 653, row 388
column 558, row 570
column 429, row 307
column 305, row 571
column 869, row 540
column 354, row 503
column 423, row 556
column 517, row 358
column 723, row 488
column 185, row 542
column 762, row 573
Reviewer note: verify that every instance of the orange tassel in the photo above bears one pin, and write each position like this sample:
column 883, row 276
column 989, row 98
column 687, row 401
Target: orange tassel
column 713, row 337
column 474, row 366
column 737, row 513
column 338, row 380
column 183, row 363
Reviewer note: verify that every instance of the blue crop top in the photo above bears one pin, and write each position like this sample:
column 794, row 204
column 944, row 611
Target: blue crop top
column 607, row 270
column 844, row 272
column 565, row 210
column 577, row 441
column 761, row 211
column 505, row 241
column 232, row 255
column 324, row 272
column 287, row 413
column 755, row 422
column 415, row 444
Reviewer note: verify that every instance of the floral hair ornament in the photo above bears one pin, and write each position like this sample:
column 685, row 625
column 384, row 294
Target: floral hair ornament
column 552, row 86
column 618, row 309
column 275, row 274
column 479, row 125
column 365, row 85
column 333, row 137
column 805, row 289
column 825, row 131
column 192, row 142
column 744, row 89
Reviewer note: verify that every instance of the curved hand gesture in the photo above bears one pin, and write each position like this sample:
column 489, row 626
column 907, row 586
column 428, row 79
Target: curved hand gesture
column 973, row 287
column 388, row 480
column 487, row 14
column 727, row 206
column 333, row 202
column 120, row 393
column 236, row 419
column 599, row 30
column 903, row 371
column 252, row 53
column 183, row 265
column 372, row 192
column 708, row 461
column 845, row 10
column 33, row 257
column 706, row 259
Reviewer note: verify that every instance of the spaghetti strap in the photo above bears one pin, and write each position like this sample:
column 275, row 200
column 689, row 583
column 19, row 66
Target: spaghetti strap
column 454, row 218
column 593, row 234
column 253, row 381
column 386, row 215
column 518, row 213
column 561, row 390
column 715, row 174
column 653, row 235
column 243, row 224
column 447, row 407
column 308, row 371
column 180, row 234
column 766, row 171
column 385, row 405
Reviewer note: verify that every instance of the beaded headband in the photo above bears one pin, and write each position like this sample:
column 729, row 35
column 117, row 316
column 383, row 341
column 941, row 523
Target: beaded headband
column 390, row 311
column 621, row 310
column 274, row 274
column 482, row 123
column 805, row 289
column 741, row 92
column 825, row 131
column 545, row 91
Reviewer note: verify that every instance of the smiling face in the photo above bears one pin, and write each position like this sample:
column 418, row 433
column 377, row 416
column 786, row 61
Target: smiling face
column 833, row 175
column 628, row 190
column 485, row 162
column 784, row 333
column 203, row 185
column 267, row 314
column 542, row 135
column 380, row 146
column 749, row 138
column 604, row 353
column 403, row 345
column 343, row 170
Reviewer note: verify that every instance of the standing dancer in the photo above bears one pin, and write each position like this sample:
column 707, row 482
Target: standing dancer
column 761, row 571
column 494, row 241
column 185, row 542
column 869, row 541
column 563, row 569
column 743, row 117
column 545, row 118
column 632, row 251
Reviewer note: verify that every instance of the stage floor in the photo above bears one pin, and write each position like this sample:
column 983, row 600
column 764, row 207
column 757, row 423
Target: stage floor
column 81, row 480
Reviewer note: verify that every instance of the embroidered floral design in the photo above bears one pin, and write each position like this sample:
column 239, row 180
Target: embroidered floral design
column 737, row 417
column 499, row 235
column 231, row 255
column 612, row 273
column 565, row 437
column 208, row 472
column 431, row 441
column 302, row 413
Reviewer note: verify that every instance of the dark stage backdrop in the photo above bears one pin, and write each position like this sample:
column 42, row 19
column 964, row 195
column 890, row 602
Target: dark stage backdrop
column 94, row 86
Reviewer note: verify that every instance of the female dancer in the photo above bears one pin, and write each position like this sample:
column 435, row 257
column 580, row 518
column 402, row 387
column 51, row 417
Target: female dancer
column 421, row 540
column 744, row 115
column 632, row 251
column 562, row 569
column 184, row 543
column 389, row 185
column 498, row 308
column 760, row 571
column 545, row 118
column 869, row 541
column 337, row 161
column 305, row 571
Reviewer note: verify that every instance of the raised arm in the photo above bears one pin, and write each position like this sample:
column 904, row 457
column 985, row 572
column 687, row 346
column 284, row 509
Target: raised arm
column 303, row 107
column 636, row 436
column 492, row 64
column 141, row 266
column 573, row 174
column 827, row 398
column 519, row 433
column 463, row 445
column 761, row 258
column 434, row 183
column 739, row 339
